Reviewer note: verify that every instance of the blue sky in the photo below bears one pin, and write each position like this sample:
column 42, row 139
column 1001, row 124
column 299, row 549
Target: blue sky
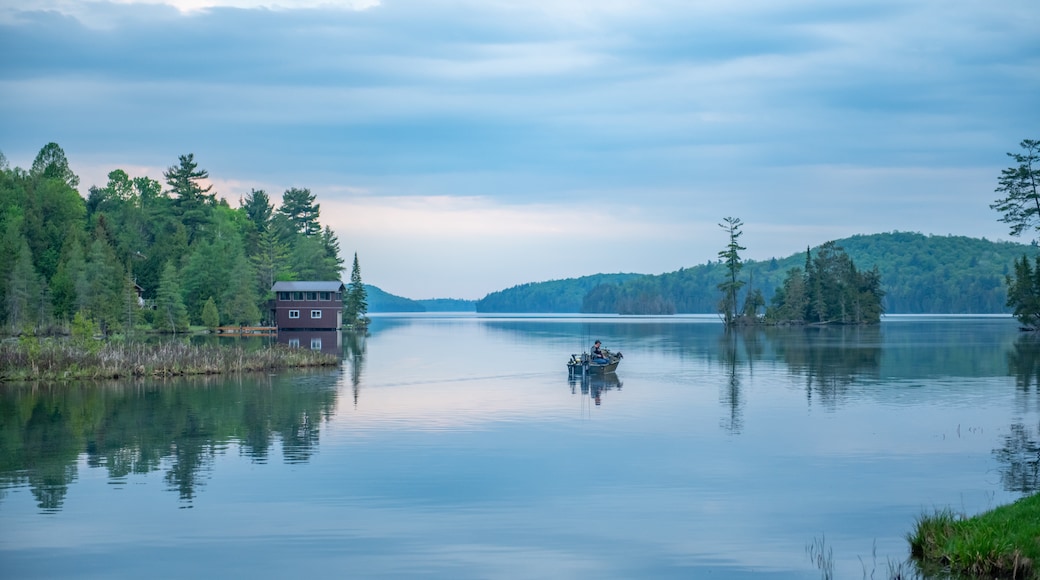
column 463, row 147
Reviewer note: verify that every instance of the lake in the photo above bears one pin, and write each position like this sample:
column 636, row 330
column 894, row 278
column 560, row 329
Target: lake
column 456, row 446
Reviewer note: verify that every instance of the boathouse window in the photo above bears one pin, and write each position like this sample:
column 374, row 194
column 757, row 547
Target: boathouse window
column 294, row 343
column 326, row 295
column 315, row 344
column 315, row 313
column 312, row 296
column 294, row 314
column 297, row 295
column 283, row 295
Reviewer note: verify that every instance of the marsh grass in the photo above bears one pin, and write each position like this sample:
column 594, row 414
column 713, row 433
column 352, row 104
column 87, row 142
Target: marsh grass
column 822, row 556
column 1001, row 543
column 32, row 359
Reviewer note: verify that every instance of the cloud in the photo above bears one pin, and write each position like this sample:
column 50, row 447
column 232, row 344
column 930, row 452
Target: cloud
column 662, row 116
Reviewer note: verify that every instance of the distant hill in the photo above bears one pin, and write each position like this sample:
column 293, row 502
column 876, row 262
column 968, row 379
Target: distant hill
column 553, row 296
column 448, row 305
column 382, row 301
column 920, row 274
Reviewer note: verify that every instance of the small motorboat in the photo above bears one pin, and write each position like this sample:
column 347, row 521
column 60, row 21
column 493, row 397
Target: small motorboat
column 584, row 364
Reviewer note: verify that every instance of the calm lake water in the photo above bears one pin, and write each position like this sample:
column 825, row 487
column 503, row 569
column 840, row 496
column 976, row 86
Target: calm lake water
column 454, row 446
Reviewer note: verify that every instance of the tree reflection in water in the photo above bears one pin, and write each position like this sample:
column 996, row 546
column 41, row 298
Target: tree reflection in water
column 1020, row 456
column 142, row 427
column 831, row 358
column 354, row 346
column 738, row 347
column 1019, row 460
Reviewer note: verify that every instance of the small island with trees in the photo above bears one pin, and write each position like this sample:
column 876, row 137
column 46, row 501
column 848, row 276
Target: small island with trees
column 828, row 290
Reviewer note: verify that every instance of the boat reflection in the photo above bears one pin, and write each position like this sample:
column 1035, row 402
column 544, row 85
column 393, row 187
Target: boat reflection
column 594, row 386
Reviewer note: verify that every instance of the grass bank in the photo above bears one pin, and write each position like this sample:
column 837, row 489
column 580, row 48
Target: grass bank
column 33, row 359
column 1002, row 543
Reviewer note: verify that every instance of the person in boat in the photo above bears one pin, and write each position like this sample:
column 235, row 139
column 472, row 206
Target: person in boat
column 599, row 355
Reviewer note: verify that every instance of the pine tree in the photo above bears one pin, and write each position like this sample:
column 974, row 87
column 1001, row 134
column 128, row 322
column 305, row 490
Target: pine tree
column 257, row 206
column 100, row 288
column 356, row 305
column 193, row 202
column 731, row 257
column 24, row 290
column 1024, row 293
column 63, row 285
column 239, row 303
column 1020, row 185
column 299, row 207
column 210, row 316
column 170, row 313
column 271, row 262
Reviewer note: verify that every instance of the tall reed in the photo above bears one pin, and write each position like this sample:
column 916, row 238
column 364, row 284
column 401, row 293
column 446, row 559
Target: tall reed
column 58, row 359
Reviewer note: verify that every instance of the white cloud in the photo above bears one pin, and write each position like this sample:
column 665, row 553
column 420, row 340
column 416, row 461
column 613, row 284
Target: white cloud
column 82, row 6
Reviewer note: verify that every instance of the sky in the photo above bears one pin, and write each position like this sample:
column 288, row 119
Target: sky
column 461, row 147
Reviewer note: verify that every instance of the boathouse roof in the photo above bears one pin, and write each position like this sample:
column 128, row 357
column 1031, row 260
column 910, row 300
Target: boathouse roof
column 308, row 286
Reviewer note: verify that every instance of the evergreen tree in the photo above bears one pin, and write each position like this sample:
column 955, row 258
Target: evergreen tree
column 257, row 206
column 100, row 289
column 63, row 285
column 170, row 313
column 832, row 290
column 331, row 245
column 239, row 303
column 299, row 208
column 1023, row 294
column 1020, row 207
column 10, row 247
column 192, row 202
column 311, row 261
column 51, row 209
column 356, row 305
column 271, row 262
column 731, row 258
column 1020, row 186
column 210, row 316
column 205, row 273
column 51, row 163
column 24, row 288
column 790, row 302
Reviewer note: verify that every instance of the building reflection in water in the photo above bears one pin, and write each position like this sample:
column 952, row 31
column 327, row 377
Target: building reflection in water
column 327, row 341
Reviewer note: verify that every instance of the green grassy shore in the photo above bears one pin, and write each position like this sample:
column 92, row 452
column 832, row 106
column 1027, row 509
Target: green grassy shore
column 1001, row 543
column 33, row 359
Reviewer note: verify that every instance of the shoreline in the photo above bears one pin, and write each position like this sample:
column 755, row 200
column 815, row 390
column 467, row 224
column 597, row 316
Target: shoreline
column 1000, row 543
column 35, row 359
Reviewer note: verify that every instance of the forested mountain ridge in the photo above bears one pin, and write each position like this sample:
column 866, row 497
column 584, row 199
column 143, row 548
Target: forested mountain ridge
column 552, row 296
column 920, row 274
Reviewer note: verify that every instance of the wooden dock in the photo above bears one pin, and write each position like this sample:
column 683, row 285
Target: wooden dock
column 248, row 330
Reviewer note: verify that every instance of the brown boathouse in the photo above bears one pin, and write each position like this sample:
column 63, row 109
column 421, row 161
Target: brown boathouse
column 308, row 305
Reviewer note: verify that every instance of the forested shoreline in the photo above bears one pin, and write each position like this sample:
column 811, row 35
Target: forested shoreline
column 919, row 274
column 187, row 255
column 138, row 251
